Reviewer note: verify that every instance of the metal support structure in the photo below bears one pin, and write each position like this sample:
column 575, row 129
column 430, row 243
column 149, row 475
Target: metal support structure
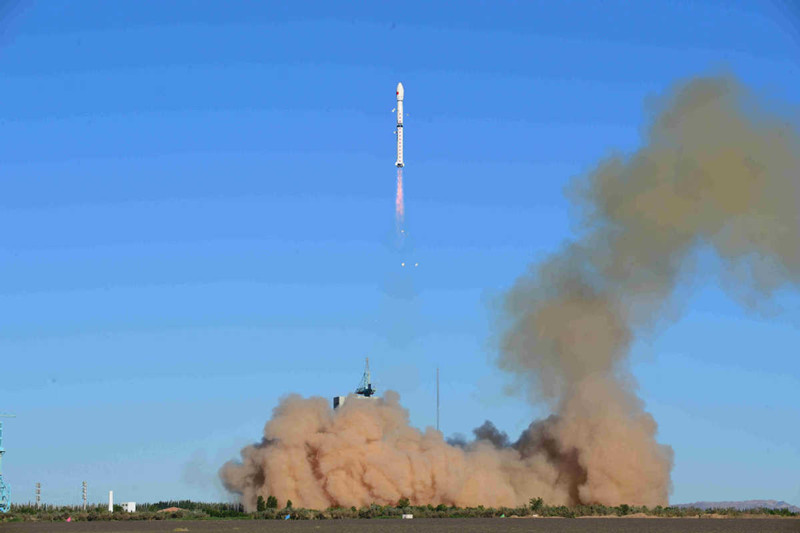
column 5, row 490
column 38, row 495
column 84, row 492
column 365, row 388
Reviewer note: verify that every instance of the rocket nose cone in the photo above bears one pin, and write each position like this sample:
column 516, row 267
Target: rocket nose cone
column 399, row 91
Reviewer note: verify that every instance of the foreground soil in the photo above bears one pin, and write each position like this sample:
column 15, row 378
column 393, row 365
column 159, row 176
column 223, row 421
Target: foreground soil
column 446, row 525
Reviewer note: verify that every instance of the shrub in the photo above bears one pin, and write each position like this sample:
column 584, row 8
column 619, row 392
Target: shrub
column 536, row 504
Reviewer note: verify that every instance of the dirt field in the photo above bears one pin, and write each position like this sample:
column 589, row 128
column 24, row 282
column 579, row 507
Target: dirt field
column 475, row 525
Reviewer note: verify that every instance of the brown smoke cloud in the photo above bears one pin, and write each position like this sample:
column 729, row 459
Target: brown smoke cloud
column 717, row 172
column 366, row 452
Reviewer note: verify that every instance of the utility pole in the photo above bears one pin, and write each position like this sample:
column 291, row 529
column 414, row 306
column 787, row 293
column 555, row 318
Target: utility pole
column 5, row 490
column 84, row 491
column 38, row 495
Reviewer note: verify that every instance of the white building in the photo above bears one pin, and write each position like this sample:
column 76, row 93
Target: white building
column 129, row 507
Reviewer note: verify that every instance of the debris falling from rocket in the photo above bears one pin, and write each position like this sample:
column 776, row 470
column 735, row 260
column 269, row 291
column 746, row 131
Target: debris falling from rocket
column 716, row 172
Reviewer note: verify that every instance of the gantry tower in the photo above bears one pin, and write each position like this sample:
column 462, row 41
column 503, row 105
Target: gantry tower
column 5, row 490
column 365, row 388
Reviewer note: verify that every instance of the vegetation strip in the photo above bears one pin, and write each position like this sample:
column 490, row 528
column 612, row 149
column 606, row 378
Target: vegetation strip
column 268, row 510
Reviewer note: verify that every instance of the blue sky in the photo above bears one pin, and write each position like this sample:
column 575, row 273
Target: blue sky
column 197, row 205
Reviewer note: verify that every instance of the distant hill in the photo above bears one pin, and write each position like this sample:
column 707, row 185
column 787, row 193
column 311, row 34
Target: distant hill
column 743, row 505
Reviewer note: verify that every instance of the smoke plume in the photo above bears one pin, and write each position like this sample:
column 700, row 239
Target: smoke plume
column 716, row 172
column 366, row 452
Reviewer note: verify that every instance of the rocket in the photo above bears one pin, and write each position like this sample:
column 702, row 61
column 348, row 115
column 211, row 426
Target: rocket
column 399, row 131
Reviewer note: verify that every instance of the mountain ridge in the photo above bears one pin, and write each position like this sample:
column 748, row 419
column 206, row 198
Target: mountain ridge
column 742, row 505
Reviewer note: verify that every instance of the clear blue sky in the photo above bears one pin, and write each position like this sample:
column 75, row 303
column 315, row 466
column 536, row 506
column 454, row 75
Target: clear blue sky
column 197, row 202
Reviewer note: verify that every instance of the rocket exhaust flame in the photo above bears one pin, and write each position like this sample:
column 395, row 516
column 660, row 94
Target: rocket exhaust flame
column 714, row 172
column 399, row 207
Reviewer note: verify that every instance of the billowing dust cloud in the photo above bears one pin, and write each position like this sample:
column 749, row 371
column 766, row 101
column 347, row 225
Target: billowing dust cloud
column 716, row 172
column 366, row 452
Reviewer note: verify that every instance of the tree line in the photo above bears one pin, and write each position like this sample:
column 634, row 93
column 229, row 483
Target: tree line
column 270, row 508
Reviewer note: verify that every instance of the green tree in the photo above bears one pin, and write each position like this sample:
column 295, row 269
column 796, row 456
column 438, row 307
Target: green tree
column 403, row 502
column 536, row 504
column 261, row 504
column 288, row 504
column 272, row 502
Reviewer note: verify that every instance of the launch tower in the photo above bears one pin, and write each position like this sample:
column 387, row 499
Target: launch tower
column 364, row 389
column 5, row 490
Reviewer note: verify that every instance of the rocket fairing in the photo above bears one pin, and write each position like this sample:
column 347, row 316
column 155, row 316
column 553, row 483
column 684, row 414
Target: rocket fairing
column 399, row 131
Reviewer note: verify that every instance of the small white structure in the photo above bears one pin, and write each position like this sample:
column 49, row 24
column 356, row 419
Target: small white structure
column 111, row 501
column 408, row 516
column 129, row 507
column 338, row 401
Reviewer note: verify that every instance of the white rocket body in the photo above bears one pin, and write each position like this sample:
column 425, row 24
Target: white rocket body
column 399, row 130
